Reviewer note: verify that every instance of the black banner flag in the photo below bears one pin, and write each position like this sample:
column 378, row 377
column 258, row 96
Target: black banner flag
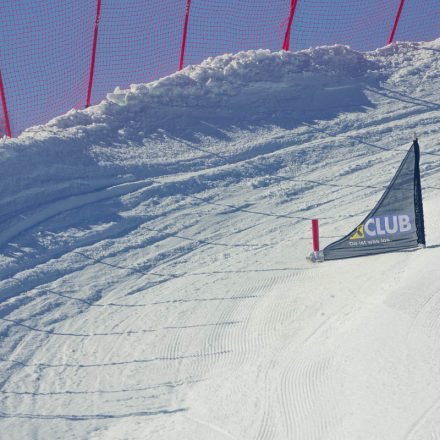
column 395, row 223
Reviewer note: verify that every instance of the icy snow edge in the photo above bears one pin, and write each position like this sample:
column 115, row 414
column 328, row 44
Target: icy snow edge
column 219, row 78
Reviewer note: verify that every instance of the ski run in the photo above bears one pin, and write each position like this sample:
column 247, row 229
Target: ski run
column 152, row 256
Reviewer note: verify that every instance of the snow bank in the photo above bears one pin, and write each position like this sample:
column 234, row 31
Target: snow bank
column 217, row 79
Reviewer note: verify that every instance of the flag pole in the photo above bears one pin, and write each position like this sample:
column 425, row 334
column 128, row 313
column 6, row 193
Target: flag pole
column 316, row 255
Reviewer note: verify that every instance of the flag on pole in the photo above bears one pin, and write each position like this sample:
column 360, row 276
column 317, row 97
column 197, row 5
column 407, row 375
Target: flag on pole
column 395, row 223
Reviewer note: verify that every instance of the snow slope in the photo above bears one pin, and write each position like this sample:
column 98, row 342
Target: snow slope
column 153, row 279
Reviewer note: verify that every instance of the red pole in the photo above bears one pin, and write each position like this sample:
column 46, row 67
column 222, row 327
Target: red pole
column 92, row 63
column 5, row 108
column 185, row 31
column 396, row 21
column 286, row 43
column 315, row 235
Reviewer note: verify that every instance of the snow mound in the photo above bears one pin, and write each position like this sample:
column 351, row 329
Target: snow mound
column 218, row 79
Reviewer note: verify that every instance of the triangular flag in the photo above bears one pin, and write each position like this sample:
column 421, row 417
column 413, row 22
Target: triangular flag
column 395, row 223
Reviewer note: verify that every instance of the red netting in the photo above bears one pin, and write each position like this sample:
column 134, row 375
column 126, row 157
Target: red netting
column 44, row 58
column 419, row 21
column 361, row 24
column 218, row 27
column 138, row 41
column 46, row 46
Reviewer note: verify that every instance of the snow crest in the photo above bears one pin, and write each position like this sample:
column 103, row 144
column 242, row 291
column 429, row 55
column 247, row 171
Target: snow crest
column 217, row 79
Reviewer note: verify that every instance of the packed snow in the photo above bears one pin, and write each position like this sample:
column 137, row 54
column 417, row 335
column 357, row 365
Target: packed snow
column 152, row 256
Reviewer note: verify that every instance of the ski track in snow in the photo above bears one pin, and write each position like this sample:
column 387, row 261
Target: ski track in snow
column 153, row 278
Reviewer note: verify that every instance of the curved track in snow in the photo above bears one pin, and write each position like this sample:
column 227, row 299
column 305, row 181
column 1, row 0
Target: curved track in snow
column 152, row 272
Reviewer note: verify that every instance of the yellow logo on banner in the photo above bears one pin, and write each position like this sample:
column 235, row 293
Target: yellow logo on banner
column 359, row 233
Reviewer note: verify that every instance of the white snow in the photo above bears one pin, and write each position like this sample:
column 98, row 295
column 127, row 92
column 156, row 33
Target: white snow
column 152, row 270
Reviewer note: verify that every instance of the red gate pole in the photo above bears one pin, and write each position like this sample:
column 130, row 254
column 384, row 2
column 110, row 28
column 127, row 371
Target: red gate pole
column 5, row 108
column 396, row 21
column 92, row 63
column 315, row 236
column 286, row 43
column 185, row 31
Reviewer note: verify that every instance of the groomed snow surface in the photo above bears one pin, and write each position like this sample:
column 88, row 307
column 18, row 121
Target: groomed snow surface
column 153, row 274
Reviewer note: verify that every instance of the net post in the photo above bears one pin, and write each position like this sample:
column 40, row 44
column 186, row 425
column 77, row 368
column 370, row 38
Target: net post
column 185, row 32
column 5, row 107
column 396, row 22
column 92, row 62
column 286, row 43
